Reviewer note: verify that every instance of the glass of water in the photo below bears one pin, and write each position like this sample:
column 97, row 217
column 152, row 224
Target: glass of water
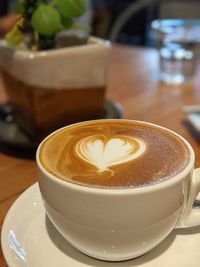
column 179, row 46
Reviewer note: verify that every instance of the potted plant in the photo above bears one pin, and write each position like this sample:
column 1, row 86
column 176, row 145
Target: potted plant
column 52, row 75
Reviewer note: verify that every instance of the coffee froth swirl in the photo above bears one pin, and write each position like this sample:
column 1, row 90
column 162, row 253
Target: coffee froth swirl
column 103, row 152
column 113, row 154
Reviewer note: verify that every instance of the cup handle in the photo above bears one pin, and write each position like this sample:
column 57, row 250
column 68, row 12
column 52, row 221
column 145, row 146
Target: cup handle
column 191, row 215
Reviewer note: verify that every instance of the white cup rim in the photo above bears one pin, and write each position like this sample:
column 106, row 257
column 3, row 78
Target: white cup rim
column 120, row 191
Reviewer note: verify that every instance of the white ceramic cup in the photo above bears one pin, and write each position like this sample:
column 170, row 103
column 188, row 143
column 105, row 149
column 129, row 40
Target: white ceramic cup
column 120, row 224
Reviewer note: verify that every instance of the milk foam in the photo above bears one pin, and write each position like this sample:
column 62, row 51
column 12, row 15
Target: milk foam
column 106, row 153
column 114, row 154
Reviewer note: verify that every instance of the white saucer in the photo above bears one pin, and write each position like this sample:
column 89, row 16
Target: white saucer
column 30, row 240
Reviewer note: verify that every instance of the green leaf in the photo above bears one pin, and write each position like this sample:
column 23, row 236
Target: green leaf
column 46, row 20
column 53, row 3
column 71, row 8
column 14, row 37
column 66, row 22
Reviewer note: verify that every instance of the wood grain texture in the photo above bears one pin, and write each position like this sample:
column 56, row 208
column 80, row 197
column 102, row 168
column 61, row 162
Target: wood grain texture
column 132, row 81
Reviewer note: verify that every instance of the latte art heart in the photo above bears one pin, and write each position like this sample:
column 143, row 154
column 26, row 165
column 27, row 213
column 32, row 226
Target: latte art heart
column 104, row 154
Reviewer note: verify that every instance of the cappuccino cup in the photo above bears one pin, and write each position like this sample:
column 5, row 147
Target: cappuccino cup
column 116, row 188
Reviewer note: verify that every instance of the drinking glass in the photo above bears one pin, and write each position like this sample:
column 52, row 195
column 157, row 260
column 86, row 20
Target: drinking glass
column 179, row 46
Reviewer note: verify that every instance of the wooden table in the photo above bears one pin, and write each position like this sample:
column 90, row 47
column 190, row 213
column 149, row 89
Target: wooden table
column 133, row 81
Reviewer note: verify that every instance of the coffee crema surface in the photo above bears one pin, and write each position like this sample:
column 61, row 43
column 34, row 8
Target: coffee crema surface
column 114, row 154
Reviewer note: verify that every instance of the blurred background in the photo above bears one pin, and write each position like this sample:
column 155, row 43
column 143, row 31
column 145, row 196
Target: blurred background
column 123, row 21
column 128, row 21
